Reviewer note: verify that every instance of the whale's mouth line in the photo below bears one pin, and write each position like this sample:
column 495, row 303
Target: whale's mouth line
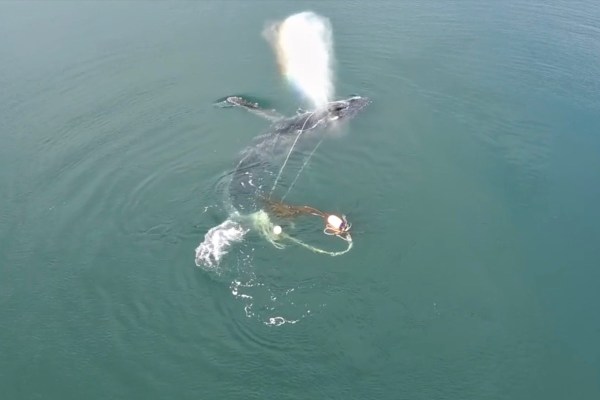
column 344, row 108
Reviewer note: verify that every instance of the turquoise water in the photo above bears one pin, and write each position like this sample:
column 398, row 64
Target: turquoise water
column 471, row 181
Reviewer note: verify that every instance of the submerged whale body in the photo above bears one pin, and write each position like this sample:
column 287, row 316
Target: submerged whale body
column 259, row 163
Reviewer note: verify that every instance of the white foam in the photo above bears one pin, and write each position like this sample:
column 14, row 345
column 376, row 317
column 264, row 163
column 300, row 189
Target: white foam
column 217, row 241
column 278, row 321
column 261, row 298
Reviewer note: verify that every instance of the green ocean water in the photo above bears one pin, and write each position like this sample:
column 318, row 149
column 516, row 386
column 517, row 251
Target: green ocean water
column 472, row 182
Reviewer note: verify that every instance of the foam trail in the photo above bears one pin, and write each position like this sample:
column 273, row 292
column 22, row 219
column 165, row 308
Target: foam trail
column 216, row 243
column 303, row 44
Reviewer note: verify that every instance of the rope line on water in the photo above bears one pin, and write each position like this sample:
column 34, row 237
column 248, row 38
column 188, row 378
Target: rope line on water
column 302, row 168
column 265, row 226
column 321, row 251
column 289, row 153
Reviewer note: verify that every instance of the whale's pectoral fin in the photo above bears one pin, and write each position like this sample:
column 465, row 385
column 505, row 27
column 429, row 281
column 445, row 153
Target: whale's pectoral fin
column 253, row 107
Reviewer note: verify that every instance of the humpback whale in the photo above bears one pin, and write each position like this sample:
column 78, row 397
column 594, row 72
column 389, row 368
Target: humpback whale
column 252, row 189
column 252, row 178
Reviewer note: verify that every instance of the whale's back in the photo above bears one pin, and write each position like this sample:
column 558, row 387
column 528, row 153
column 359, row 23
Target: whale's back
column 259, row 164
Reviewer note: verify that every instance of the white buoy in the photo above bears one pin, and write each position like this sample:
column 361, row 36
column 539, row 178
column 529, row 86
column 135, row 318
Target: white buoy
column 277, row 230
column 335, row 222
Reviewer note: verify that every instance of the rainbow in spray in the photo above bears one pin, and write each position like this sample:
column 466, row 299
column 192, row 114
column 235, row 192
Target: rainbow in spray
column 303, row 44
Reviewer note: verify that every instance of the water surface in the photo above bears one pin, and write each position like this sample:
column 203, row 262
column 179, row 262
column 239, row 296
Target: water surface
column 471, row 181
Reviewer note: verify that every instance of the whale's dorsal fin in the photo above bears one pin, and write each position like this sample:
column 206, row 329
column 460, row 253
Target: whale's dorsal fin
column 254, row 108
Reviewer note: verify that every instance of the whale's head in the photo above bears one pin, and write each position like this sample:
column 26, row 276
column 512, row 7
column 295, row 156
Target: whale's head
column 346, row 109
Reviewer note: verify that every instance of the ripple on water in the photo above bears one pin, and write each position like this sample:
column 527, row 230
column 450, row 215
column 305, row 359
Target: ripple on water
column 259, row 289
